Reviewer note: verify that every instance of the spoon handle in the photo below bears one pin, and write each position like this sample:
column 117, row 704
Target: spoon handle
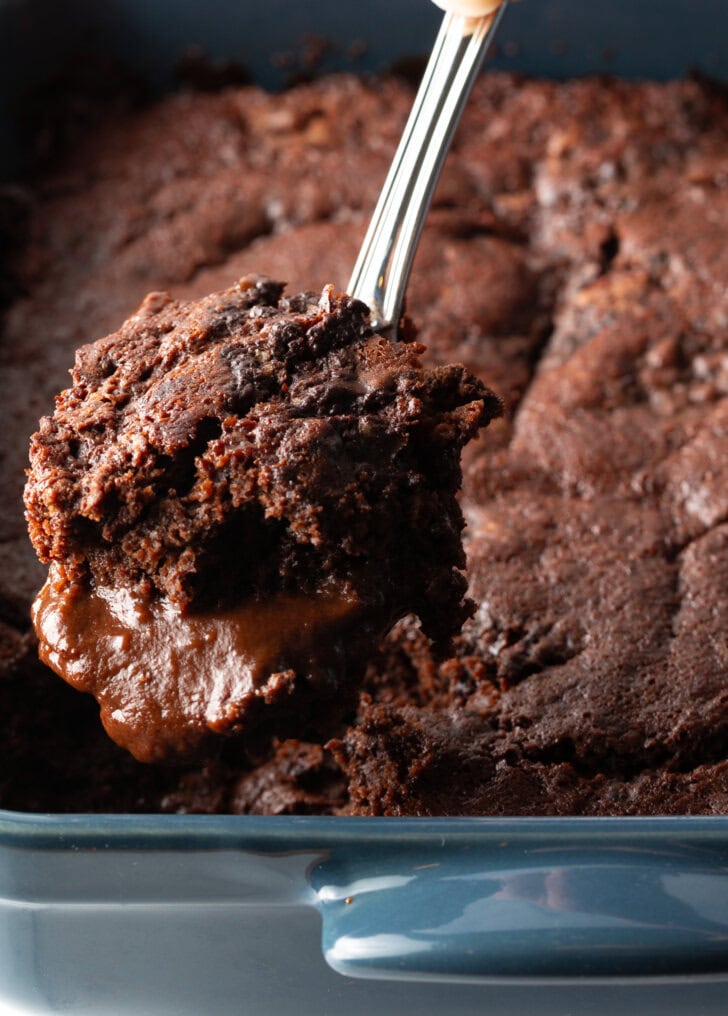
column 385, row 259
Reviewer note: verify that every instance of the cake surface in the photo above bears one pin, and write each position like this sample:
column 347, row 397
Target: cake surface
column 575, row 262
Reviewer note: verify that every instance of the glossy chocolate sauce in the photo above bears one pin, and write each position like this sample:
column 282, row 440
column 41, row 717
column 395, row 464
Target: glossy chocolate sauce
column 166, row 680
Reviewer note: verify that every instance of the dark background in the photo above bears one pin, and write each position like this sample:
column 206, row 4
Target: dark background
column 38, row 39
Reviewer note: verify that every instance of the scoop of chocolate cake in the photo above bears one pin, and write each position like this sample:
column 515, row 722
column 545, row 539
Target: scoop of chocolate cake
column 238, row 497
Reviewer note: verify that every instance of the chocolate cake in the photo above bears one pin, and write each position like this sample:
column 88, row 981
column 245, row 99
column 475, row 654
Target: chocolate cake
column 575, row 262
column 238, row 498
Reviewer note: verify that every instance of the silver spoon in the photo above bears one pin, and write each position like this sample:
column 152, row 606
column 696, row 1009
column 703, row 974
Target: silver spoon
column 385, row 259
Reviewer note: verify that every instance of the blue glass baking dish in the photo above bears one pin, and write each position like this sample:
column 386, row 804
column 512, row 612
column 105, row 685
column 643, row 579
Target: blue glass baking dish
column 274, row 916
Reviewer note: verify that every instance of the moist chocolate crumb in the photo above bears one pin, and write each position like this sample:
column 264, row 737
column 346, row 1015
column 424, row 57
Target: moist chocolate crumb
column 249, row 444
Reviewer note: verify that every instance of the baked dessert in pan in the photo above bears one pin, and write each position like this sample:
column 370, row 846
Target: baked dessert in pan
column 574, row 263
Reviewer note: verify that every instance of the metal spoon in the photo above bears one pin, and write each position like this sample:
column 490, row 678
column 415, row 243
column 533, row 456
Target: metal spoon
column 385, row 259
